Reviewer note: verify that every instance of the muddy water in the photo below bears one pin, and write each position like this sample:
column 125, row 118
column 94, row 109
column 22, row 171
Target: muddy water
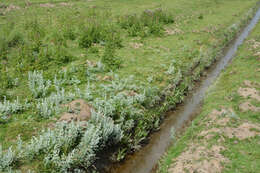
column 145, row 160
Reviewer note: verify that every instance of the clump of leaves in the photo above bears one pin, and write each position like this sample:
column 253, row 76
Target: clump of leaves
column 111, row 61
column 15, row 39
column 149, row 22
column 92, row 34
column 99, row 32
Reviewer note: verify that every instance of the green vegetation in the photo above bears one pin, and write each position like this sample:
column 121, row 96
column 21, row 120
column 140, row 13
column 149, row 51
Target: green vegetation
column 129, row 60
column 229, row 120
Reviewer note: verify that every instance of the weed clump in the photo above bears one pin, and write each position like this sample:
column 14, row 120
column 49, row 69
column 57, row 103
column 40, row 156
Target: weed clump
column 148, row 23
column 111, row 61
column 98, row 32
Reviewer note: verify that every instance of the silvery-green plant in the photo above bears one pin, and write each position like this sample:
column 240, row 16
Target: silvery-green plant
column 6, row 159
column 46, row 108
column 8, row 107
column 100, row 131
column 150, row 79
column 119, row 84
column 81, row 156
column 51, row 105
column 73, row 81
column 58, row 83
column 177, row 77
column 88, row 94
column 92, row 70
column 37, row 84
column 10, row 170
column 109, row 131
column 171, row 70
column 63, row 136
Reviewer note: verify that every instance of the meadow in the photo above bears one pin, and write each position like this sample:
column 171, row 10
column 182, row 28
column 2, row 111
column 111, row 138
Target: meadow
column 130, row 61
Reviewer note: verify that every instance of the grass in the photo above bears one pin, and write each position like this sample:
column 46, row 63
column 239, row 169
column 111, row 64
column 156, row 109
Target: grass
column 243, row 155
column 96, row 45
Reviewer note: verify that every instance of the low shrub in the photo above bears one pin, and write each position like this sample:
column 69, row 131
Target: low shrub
column 15, row 39
column 98, row 32
column 93, row 33
column 109, row 58
column 69, row 33
column 149, row 22
column 7, row 107
column 100, row 132
column 37, row 84
column 50, row 106
column 6, row 159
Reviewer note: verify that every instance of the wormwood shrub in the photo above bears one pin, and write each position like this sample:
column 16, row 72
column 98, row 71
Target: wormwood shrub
column 126, row 103
column 92, row 70
column 6, row 159
column 67, row 77
column 7, row 107
column 100, row 132
column 68, row 147
column 63, row 136
column 51, row 105
column 37, row 84
column 73, row 147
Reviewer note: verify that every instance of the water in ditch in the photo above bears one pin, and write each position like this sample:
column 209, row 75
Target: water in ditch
column 145, row 160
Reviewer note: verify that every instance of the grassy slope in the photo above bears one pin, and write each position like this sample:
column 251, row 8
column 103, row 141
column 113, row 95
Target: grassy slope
column 152, row 59
column 243, row 154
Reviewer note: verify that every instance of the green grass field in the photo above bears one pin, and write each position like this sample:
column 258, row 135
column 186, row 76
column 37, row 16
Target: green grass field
column 235, row 130
column 130, row 60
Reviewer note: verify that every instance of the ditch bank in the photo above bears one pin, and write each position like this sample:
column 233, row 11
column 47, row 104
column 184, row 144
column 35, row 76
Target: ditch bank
column 145, row 160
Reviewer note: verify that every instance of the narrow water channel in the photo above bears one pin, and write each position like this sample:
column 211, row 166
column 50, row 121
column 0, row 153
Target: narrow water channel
column 144, row 161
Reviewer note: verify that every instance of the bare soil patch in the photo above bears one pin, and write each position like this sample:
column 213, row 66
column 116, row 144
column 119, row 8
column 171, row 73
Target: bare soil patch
column 47, row 5
column 136, row 45
column 244, row 131
column 247, row 106
column 199, row 159
column 174, row 31
column 5, row 9
column 79, row 110
column 249, row 93
column 65, row 4
column 220, row 118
